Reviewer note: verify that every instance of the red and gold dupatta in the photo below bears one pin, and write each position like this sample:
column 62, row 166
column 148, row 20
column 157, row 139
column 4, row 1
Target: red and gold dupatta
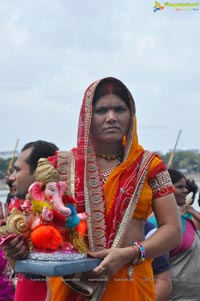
column 106, row 204
column 102, row 203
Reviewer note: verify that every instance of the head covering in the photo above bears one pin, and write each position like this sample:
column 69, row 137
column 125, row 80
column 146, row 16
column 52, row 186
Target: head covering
column 110, row 85
column 93, row 92
column 89, row 187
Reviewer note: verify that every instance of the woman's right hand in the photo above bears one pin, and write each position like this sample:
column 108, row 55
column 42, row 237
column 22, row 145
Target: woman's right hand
column 113, row 259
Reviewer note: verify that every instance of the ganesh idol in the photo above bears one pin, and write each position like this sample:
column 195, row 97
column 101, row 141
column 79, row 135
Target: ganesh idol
column 49, row 219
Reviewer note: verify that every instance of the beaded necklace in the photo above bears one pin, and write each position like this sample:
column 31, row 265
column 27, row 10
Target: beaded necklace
column 111, row 157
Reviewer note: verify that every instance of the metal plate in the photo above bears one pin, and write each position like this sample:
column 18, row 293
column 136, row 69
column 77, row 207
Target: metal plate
column 56, row 268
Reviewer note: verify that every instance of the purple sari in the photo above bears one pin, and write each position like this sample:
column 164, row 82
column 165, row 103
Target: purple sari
column 6, row 286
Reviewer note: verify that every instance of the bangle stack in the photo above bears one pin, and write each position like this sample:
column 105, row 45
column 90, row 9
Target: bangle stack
column 141, row 252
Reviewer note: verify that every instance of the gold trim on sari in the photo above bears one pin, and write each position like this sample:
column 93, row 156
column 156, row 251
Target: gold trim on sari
column 112, row 205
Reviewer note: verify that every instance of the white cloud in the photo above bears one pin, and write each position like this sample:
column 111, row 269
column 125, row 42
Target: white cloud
column 146, row 42
column 51, row 51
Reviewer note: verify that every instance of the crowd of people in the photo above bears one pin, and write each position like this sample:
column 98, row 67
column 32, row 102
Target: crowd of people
column 139, row 222
column 184, row 263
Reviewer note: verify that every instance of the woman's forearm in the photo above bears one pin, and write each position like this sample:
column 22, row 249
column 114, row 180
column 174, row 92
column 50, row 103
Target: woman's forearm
column 161, row 241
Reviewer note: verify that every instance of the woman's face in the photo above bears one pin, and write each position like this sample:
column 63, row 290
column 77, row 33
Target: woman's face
column 110, row 119
column 180, row 191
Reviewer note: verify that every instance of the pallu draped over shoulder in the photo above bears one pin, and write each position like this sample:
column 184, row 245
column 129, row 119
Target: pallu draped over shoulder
column 109, row 205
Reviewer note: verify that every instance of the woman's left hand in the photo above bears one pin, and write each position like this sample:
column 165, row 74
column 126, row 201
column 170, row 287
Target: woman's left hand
column 113, row 259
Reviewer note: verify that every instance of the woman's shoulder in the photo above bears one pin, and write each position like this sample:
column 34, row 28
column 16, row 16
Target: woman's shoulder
column 156, row 166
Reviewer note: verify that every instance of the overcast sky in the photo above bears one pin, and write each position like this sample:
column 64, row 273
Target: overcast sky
column 50, row 51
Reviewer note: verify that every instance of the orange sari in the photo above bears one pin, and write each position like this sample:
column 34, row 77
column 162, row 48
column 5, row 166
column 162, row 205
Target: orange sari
column 106, row 205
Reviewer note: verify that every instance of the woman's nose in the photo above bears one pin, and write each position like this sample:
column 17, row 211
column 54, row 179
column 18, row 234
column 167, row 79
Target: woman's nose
column 111, row 116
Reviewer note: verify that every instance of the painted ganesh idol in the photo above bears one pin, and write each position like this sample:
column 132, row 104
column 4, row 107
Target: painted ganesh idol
column 49, row 218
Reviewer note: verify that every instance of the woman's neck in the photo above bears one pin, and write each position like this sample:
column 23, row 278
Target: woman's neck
column 109, row 148
column 105, row 164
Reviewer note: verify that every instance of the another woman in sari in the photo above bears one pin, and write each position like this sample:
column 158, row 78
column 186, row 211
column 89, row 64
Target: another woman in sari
column 118, row 184
column 184, row 259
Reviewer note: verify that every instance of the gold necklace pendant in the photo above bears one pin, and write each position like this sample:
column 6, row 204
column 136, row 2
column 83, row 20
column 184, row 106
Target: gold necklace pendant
column 104, row 174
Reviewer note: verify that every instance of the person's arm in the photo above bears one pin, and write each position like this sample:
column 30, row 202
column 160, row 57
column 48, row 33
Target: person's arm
column 195, row 215
column 15, row 249
column 169, row 234
column 163, row 286
column 162, row 277
column 160, row 265
column 167, row 237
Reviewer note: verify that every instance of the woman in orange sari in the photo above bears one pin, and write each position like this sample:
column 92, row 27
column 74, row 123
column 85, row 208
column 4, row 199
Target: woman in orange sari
column 118, row 183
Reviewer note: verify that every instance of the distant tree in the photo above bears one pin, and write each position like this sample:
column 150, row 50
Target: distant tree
column 187, row 160
column 4, row 163
column 165, row 158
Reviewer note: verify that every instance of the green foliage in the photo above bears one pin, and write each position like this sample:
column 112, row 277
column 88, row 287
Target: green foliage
column 184, row 160
column 4, row 167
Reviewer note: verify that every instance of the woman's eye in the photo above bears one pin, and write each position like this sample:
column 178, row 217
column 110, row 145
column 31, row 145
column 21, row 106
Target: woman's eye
column 100, row 110
column 120, row 109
